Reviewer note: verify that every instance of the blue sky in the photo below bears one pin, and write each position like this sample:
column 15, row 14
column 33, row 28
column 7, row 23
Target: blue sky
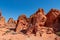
column 14, row 8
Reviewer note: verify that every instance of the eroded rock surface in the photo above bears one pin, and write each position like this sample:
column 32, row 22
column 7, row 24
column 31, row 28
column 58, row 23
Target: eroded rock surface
column 52, row 17
column 22, row 23
column 37, row 21
column 2, row 20
column 37, row 27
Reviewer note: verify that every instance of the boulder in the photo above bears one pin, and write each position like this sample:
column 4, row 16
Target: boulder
column 22, row 23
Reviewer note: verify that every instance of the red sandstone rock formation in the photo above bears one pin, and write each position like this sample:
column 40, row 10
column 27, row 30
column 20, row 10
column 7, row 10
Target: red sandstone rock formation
column 37, row 21
column 2, row 20
column 22, row 23
column 11, row 20
column 56, row 24
column 11, row 24
column 38, row 27
column 51, row 17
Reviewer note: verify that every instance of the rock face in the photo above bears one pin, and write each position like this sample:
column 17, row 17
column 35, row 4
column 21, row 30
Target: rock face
column 39, row 17
column 11, row 20
column 57, row 24
column 22, row 23
column 37, row 27
column 37, row 21
column 51, row 17
column 11, row 23
column 2, row 20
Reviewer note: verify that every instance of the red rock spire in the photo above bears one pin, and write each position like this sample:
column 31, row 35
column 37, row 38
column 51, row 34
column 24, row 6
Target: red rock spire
column 40, row 10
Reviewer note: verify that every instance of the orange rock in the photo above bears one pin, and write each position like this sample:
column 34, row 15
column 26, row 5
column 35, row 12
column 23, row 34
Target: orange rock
column 36, row 21
column 2, row 20
column 38, row 17
column 56, row 24
column 11, row 20
column 51, row 18
column 11, row 24
column 34, row 27
column 22, row 23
